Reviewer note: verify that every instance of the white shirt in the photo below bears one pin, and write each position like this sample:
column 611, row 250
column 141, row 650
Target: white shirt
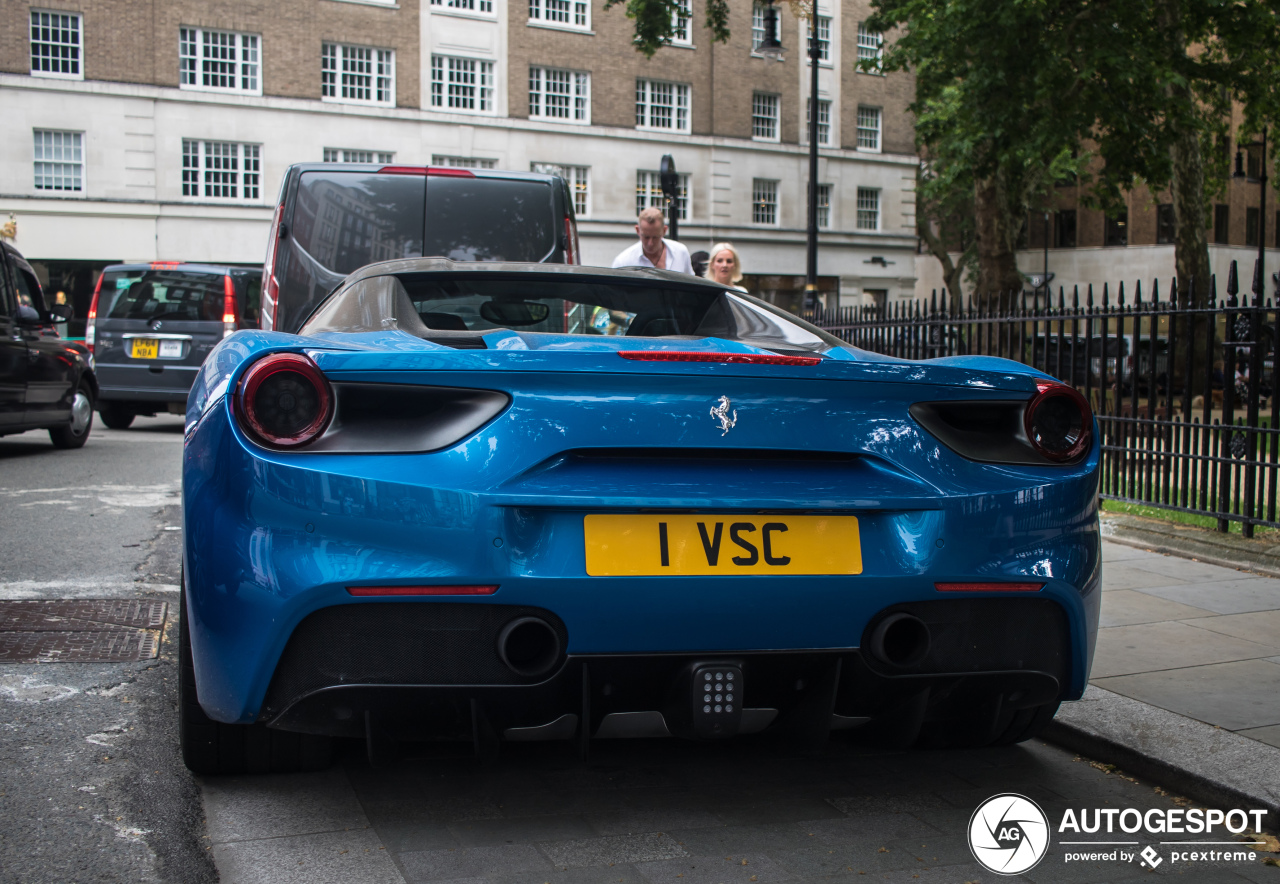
column 677, row 257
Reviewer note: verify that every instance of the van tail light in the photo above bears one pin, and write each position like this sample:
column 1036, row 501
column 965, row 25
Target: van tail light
column 1058, row 421
column 91, row 324
column 573, row 253
column 229, row 323
column 284, row 401
column 271, row 288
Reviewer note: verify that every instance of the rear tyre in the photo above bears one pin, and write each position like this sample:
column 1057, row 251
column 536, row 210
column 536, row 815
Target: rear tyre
column 211, row 747
column 76, row 432
column 116, row 416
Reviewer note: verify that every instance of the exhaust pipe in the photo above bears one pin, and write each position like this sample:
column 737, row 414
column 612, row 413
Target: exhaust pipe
column 900, row 640
column 529, row 646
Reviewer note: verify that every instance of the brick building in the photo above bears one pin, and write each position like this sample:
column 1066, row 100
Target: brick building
column 146, row 130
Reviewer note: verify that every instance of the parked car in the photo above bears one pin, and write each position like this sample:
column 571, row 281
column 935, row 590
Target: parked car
column 503, row 502
column 152, row 325
column 333, row 218
column 45, row 381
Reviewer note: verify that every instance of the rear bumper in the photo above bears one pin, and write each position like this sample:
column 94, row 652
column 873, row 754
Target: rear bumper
column 140, row 383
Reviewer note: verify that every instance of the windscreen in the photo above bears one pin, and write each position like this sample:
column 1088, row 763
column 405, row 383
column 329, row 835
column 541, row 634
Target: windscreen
column 428, row 304
column 489, row 219
column 155, row 294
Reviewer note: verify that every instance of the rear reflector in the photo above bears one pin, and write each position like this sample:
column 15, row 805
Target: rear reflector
column 442, row 171
column 421, row 590
column 988, row 587
column 735, row 358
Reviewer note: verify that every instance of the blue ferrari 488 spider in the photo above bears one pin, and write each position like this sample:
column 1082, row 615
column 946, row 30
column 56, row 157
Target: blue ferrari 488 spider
column 499, row 502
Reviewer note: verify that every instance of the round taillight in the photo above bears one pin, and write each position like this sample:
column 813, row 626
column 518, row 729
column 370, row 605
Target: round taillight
column 1059, row 422
column 284, row 401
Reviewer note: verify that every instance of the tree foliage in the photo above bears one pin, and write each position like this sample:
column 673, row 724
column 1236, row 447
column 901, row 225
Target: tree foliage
column 1014, row 94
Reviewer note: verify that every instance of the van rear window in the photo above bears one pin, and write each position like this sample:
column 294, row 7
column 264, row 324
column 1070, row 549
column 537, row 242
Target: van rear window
column 489, row 219
column 167, row 294
column 345, row 220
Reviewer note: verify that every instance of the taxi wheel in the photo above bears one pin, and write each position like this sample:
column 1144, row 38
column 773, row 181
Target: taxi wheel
column 76, row 432
column 212, row 747
column 116, row 417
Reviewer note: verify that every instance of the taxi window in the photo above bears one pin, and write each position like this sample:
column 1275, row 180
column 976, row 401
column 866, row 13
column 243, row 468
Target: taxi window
column 168, row 294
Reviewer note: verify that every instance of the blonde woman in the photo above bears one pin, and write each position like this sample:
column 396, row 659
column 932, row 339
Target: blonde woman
column 726, row 266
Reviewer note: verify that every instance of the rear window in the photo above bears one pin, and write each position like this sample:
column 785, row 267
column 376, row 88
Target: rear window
column 346, row 220
column 489, row 219
column 162, row 294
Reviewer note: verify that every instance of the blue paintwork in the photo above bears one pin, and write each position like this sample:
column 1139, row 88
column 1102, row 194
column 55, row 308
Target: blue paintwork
column 273, row 536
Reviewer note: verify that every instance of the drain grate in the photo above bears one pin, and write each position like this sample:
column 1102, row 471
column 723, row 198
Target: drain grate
column 80, row 630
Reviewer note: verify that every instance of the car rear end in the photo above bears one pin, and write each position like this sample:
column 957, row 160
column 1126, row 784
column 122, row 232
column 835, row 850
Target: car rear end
column 151, row 326
column 334, row 218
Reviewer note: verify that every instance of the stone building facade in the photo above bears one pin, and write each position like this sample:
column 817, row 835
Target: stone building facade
column 116, row 106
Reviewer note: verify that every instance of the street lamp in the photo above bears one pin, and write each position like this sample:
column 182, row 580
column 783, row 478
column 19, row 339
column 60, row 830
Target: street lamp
column 770, row 46
column 811, row 256
column 1262, row 206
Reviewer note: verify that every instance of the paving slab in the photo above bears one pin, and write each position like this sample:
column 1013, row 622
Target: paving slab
column 1269, row 735
column 1150, row 647
column 1237, row 695
column 1131, row 575
column 245, row 808
column 1184, row 569
column 1258, row 626
column 1236, row 596
column 325, row 858
column 1125, row 607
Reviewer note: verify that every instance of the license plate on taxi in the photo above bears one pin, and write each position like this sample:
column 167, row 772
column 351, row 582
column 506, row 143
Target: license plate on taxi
column 152, row 348
column 728, row 545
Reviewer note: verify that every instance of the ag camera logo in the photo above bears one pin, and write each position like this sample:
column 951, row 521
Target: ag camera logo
column 1008, row 834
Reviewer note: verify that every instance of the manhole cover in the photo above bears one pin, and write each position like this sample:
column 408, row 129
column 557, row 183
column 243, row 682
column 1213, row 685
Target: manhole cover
column 80, row 630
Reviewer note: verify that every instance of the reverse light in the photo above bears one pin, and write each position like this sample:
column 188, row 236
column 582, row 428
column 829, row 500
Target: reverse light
column 988, row 587
column 420, row 590
column 91, row 323
column 1058, row 421
column 284, row 401
column 732, row 358
column 228, row 306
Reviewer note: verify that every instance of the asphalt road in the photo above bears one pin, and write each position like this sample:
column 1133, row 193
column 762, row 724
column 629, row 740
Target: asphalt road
column 92, row 787
column 91, row 784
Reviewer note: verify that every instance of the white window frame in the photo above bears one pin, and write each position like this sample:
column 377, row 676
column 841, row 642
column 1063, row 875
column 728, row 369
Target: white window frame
column 682, row 24
column 571, row 15
column 825, row 192
column 341, row 74
column 579, row 180
column 766, row 116
column 824, row 39
column 204, row 160
column 867, row 134
column 577, row 100
column 649, row 194
column 51, row 161
column 483, row 91
column 680, row 106
column 764, row 201
column 462, row 162
column 824, row 110
column 477, row 8
column 194, row 60
column 757, row 27
column 356, row 155
column 869, row 209
column 870, row 46
column 60, row 53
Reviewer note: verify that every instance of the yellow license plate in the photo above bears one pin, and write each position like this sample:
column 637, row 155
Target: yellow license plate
column 653, row 546
column 145, row 348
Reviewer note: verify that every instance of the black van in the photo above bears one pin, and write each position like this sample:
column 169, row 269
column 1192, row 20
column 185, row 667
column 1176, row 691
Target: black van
column 152, row 325
column 334, row 218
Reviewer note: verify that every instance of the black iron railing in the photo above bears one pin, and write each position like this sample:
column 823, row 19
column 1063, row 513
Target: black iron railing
column 1185, row 393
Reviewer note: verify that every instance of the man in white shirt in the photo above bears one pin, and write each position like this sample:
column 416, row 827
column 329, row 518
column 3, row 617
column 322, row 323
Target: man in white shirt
column 653, row 250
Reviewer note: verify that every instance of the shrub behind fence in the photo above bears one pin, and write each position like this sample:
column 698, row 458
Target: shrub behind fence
column 1185, row 394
